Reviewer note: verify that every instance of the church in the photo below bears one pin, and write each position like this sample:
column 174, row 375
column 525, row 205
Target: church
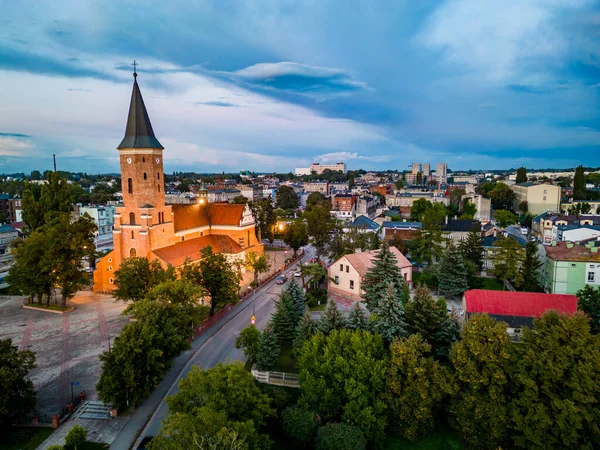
column 147, row 227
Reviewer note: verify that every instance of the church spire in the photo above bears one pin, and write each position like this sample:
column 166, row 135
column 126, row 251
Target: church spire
column 139, row 133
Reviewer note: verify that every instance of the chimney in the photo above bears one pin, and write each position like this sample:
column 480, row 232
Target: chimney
column 569, row 245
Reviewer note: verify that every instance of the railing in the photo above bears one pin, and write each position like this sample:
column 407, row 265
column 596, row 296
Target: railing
column 276, row 378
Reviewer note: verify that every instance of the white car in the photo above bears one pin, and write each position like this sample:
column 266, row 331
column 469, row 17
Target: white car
column 298, row 273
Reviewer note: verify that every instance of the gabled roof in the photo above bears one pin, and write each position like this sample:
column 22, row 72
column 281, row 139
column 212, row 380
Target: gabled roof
column 364, row 222
column 176, row 254
column 521, row 304
column 7, row 229
column 402, row 225
column 138, row 133
column 567, row 251
column 364, row 260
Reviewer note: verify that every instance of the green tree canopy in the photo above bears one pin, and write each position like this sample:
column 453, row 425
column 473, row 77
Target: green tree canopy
column 507, row 259
column 530, row 267
column 502, row 196
column 268, row 349
column 388, row 317
column 342, row 377
column 17, row 395
column 332, row 319
column 320, row 225
column 136, row 276
column 588, row 301
column 314, row 198
column 265, row 218
column 579, row 190
column 239, row 200
column 248, row 341
column 286, row 198
column 357, row 319
column 471, row 248
column 296, row 235
column 521, row 175
column 481, row 362
column 452, row 273
column 220, row 279
column 418, row 208
column 340, row 436
column 258, row 263
column 505, row 218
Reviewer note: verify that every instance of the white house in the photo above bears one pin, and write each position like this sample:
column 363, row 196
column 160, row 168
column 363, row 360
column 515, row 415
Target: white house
column 346, row 274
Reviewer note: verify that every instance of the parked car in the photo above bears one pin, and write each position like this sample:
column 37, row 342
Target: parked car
column 281, row 280
column 298, row 273
column 313, row 260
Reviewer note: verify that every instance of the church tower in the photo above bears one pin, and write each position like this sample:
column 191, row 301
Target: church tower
column 144, row 222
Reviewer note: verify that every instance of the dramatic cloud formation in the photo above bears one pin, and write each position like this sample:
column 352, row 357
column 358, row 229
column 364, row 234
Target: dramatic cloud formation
column 269, row 85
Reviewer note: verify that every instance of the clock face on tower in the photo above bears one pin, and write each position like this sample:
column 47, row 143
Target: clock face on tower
column 157, row 160
column 128, row 160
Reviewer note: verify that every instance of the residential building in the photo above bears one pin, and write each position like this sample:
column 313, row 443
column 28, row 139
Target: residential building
column 539, row 197
column 408, row 198
column 471, row 179
column 7, row 235
column 343, row 206
column 215, row 194
column 441, row 173
column 317, row 186
column 517, row 309
column 4, row 199
column 403, row 230
column 341, row 187
column 103, row 216
column 426, row 170
column 302, row 171
column 569, row 266
column 544, row 226
column 416, row 168
column 458, row 229
column 252, row 193
column 145, row 226
column 575, row 232
column 363, row 224
column 483, row 205
column 366, row 205
column 15, row 212
column 320, row 168
column 347, row 273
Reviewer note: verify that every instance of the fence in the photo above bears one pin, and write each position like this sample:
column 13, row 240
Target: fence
column 276, row 378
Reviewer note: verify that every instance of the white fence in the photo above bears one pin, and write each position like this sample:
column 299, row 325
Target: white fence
column 276, row 378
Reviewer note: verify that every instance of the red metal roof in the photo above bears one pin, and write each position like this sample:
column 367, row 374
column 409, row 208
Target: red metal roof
column 524, row 304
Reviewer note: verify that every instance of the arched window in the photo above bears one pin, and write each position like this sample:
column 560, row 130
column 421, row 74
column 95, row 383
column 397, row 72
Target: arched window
column 130, row 185
column 145, row 176
column 132, row 253
column 132, row 218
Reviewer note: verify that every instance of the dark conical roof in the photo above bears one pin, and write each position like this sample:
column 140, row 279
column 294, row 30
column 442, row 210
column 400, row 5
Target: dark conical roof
column 139, row 133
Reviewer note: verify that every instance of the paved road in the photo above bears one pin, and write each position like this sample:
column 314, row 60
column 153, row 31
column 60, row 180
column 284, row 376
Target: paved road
column 215, row 345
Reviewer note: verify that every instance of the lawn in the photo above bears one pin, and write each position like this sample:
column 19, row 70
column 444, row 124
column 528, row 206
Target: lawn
column 23, row 438
column 492, row 284
column 442, row 439
column 320, row 307
column 52, row 307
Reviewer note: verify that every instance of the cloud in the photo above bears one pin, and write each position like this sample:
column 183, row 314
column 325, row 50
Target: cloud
column 527, row 89
column 350, row 156
column 219, row 103
column 77, row 90
column 303, row 79
column 19, row 135
column 11, row 146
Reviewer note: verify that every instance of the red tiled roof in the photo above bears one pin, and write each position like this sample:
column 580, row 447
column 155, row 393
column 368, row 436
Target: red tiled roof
column 196, row 215
column 364, row 260
column 177, row 253
column 523, row 304
column 17, row 225
column 561, row 252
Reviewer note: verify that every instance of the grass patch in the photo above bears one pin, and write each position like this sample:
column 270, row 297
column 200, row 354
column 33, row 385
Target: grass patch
column 441, row 439
column 285, row 362
column 52, row 307
column 492, row 284
column 320, row 307
column 14, row 438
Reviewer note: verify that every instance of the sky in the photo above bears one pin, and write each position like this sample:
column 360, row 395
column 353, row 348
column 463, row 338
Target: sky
column 270, row 85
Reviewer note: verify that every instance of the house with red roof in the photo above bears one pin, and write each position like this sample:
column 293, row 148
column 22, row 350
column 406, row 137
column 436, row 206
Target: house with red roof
column 517, row 309
column 347, row 273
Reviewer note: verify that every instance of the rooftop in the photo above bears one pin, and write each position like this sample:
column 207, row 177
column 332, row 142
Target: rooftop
column 520, row 304
column 364, row 260
column 402, row 225
column 176, row 254
column 568, row 251
column 364, row 222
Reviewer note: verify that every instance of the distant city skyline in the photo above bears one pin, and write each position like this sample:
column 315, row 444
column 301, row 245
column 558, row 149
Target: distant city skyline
column 271, row 86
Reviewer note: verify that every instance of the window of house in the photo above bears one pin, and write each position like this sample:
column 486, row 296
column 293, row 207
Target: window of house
column 573, row 266
column 143, row 159
column 201, row 233
column 544, row 198
column 241, row 241
column 130, row 185
column 109, row 259
column 591, row 276
column 182, row 238
column 341, row 267
column 337, row 280
column 351, row 284
column 347, row 269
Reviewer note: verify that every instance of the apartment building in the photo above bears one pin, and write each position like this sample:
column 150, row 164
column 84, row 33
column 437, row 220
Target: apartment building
column 343, row 206
column 320, row 168
column 568, row 267
column 539, row 197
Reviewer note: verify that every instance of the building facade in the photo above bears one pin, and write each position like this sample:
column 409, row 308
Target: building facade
column 320, row 168
column 539, row 197
column 145, row 226
column 441, row 173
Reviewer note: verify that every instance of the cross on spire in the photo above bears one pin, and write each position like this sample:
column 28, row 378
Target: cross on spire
column 134, row 67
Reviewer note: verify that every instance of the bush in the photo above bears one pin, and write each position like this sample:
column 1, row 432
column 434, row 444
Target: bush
column 76, row 437
column 55, row 447
column 300, row 424
column 313, row 296
column 340, row 436
column 280, row 397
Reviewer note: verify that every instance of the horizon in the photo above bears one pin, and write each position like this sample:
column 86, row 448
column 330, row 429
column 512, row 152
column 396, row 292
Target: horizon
column 274, row 87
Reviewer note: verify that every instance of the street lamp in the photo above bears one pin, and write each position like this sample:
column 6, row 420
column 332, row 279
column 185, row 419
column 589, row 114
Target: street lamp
column 253, row 320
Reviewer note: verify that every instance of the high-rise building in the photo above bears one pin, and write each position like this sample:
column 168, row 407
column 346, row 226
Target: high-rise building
column 441, row 173
column 416, row 168
column 426, row 170
column 320, row 168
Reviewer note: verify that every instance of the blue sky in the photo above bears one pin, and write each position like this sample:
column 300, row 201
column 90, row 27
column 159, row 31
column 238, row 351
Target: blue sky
column 269, row 85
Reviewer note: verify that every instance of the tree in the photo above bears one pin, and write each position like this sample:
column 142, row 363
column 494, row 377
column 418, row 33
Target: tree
column 314, row 198
column 286, row 198
column 307, row 328
column 471, row 248
column 300, row 424
column 505, row 218
column 418, row 208
column 530, row 268
column 17, row 395
column 248, row 341
column 468, row 209
column 557, row 367
column 524, row 206
column 452, row 273
column 219, row 408
column 428, row 318
column 332, row 319
column 342, row 378
column 588, row 301
column 296, row 235
column 340, row 436
column 428, row 244
column 417, row 385
column 285, row 319
column 399, row 184
column 507, row 260
column 258, row 263
column 320, row 225
column 357, row 320
column 388, row 316
column 76, row 437
column 136, row 276
column 383, row 271
column 297, row 297
column 268, row 349
column 481, row 361
column 579, row 190
column 521, row 175
column 239, row 200
column 456, row 195
column 220, row 278
column 265, row 217
column 502, row 196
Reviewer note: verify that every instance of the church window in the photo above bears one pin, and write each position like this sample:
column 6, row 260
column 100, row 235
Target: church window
column 182, row 238
column 158, row 175
column 110, row 280
column 130, row 185
column 241, row 242
column 159, row 188
column 143, row 159
column 132, row 253
column 132, row 218
column 110, row 268
column 145, row 176
column 132, row 236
